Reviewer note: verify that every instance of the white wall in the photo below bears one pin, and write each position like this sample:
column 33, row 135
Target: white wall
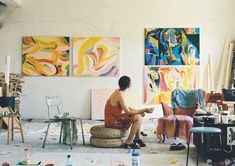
column 124, row 18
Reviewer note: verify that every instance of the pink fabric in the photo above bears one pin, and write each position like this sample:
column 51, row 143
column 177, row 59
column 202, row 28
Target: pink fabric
column 167, row 126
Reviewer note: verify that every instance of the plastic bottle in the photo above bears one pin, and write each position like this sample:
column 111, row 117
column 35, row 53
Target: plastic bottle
column 220, row 109
column 135, row 157
column 27, row 158
column 68, row 161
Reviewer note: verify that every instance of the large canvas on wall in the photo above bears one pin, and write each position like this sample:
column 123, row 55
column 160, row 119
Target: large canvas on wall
column 160, row 81
column 45, row 56
column 100, row 96
column 96, row 56
column 172, row 46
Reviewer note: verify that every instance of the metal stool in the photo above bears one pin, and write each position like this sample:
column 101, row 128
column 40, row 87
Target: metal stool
column 203, row 130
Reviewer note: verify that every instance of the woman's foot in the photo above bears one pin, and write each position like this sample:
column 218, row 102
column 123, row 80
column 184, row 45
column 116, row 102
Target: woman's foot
column 140, row 142
column 131, row 145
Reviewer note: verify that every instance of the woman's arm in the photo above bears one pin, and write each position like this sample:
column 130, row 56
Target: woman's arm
column 131, row 111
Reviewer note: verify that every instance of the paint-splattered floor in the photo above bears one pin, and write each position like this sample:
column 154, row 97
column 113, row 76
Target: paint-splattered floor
column 152, row 155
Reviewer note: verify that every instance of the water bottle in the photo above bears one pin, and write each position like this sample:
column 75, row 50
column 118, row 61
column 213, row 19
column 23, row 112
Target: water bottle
column 27, row 158
column 68, row 161
column 135, row 157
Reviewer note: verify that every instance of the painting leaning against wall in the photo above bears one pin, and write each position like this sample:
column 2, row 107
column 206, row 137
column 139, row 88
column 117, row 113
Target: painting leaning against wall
column 96, row 56
column 172, row 46
column 45, row 56
column 99, row 97
column 160, row 81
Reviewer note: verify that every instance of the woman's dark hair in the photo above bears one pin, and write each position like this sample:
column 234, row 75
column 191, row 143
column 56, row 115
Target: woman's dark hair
column 124, row 82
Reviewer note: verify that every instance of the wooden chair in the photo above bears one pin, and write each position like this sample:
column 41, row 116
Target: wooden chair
column 13, row 122
column 217, row 98
column 177, row 120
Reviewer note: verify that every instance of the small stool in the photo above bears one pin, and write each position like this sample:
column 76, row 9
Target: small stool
column 203, row 130
column 106, row 137
column 166, row 126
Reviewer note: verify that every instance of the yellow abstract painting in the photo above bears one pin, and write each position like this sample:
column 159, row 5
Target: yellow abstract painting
column 45, row 56
column 96, row 56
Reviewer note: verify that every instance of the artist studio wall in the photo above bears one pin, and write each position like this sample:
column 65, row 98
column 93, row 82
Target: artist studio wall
column 124, row 19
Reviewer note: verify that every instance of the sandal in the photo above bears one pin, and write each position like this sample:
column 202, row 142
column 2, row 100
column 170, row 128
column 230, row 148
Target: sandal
column 181, row 146
column 174, row 147
column 132, row 146
column 143, row 134
column 140, row 142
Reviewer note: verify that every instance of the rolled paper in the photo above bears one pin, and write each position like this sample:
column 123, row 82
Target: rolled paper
column 7, row 70
column 212, row 80
column 227, row 75
column 0, row 91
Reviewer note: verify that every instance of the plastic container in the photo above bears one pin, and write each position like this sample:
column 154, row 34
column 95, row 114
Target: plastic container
column 68, row 161
column 217, row 118
column 135, row 157
column 214, row 108
column 224, row 118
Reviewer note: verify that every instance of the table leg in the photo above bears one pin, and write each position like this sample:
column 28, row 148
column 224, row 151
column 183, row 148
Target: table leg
column 71, row 133
column 44, row 142
column 12, row 128
column 62, row 125
column 1, row 120
column 83, row 139
column 188, row 148
column 21, row 129
column 8, row 130
column 198, row 144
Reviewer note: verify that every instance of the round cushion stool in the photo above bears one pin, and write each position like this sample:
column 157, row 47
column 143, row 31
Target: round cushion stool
column 106, row 137
column 106, row 142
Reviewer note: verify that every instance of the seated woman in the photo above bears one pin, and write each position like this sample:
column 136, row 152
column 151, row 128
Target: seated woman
column 116, row 118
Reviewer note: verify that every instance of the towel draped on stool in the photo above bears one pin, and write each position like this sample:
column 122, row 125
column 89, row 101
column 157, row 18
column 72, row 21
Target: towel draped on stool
column 175, row 126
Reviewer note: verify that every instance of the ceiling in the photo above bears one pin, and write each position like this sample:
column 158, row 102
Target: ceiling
column 6, row 8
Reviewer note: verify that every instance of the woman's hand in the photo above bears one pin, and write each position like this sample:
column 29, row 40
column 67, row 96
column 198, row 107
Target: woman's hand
column 149, row 110
column 142, row 114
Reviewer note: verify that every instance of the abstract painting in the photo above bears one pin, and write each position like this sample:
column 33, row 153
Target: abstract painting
column 96, row 56
column 172, row 46
column 160, row 81
column 100, row 96
column 45, row 56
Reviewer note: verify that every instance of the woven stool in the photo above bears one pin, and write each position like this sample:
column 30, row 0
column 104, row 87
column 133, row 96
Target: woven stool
column 106, row 137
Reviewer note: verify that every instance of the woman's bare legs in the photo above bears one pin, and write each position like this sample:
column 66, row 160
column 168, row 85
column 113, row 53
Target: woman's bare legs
column 135, row 129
